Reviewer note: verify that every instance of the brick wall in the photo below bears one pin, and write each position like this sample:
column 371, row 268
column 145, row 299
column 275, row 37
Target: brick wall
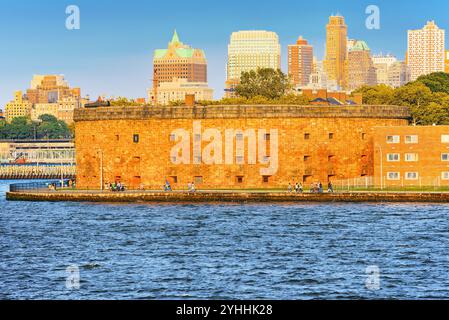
column 314, row 143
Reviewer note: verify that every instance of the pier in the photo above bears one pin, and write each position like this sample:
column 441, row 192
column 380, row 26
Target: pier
column 208, row 196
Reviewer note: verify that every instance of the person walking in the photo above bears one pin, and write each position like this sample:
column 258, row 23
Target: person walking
column 330, row 187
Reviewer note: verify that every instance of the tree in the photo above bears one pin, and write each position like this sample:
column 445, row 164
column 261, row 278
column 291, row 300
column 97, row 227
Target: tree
column 52, row 128
column 376, row 95
column 265, row 82
column 436, row 82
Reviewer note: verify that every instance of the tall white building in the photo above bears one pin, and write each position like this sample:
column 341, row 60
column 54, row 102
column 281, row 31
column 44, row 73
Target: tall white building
column 425, row 53
column 249, row 50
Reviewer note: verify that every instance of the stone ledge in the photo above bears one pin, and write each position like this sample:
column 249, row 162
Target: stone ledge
column 201, row 197
column 239, row 112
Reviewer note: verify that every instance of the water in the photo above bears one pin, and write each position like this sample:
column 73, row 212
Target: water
column 223, row 251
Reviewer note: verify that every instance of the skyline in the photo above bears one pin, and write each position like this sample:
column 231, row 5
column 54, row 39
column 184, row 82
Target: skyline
column 112, row 52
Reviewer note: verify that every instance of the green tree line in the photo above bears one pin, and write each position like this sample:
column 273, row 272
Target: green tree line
column 48, row 127
column 427, row 98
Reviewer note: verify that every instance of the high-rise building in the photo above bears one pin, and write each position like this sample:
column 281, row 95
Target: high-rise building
column 179, row 61
column 300, row 62
column 19, row 107
column 177, row 90
column 426, row 50
column 382, row 63
column 335, row 62
column 361, row 69
column 50, row 89
column 250, row 50
column 398, row 74
column 390, row 71
column 446, row 62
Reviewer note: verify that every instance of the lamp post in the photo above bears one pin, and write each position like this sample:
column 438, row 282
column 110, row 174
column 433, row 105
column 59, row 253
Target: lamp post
column 100, row 152
column 381, row 167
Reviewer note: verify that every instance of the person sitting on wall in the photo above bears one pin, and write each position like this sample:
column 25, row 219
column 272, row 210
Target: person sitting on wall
column 320, row 188
column 290, row 188
column 312, row 188
column 193, row 187
column 189, row 187
column 300, row 188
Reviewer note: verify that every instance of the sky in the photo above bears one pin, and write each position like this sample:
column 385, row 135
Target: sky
column 111, row 53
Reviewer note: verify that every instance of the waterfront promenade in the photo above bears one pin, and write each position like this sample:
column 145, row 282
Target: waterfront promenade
column 225, row 196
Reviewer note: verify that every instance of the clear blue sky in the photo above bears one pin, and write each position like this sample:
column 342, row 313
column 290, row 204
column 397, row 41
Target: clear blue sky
column 112, row 52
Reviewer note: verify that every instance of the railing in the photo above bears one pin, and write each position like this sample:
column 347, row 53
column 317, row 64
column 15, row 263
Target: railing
column 36, row 186
column 34, row 171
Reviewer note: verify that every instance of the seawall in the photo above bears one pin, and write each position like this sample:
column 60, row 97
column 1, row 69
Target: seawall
column 214, row 196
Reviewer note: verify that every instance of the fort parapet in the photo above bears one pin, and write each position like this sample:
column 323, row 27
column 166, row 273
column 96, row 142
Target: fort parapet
column 241, row 112
column 271, row 145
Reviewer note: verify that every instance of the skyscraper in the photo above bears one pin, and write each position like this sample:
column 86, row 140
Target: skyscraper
column 179, row 61
column 250, row 50
column 426, row 49
column 300, row 62
column 361, row 69
column 178, row 67
column 335, row 62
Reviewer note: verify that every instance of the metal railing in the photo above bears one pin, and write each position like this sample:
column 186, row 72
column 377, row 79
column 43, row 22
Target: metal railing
column 41, row 185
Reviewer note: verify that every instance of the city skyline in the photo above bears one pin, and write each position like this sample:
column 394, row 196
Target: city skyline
column 112, row 53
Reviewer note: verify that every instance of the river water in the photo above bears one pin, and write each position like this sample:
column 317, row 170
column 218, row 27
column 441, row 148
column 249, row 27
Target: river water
column 223, row 251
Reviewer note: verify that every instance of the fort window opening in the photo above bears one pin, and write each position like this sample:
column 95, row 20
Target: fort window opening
column 331, row 158
column 239, row 179
column 307, row 158
column 117, row 137
column 172, row 137
column 306, row 136
column 331, row 136
column 136, row 138
column 198, row 180
column 266, row 179
column 363, row 136
column 267, row 137
column 174, row 179
column 445, row 157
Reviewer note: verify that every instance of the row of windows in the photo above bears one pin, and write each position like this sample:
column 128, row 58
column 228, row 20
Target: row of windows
column 395, row 176
column 413, row 139
column 199, row 179
column 411, row 157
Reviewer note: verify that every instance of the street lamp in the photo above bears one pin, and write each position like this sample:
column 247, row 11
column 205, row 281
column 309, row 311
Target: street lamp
column 100, row 152
column 381, row 167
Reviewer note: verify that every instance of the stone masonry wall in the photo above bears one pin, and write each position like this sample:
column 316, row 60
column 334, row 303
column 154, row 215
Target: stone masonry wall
column 314, row 144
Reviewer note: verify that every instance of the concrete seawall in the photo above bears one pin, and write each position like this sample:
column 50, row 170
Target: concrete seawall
column 212, row 196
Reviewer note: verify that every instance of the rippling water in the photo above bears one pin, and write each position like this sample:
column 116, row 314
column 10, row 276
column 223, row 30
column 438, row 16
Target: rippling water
column 222, row 251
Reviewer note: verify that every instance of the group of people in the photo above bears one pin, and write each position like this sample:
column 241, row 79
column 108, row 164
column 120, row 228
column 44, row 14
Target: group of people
column 298, row 188
column 190, row 187
column 115, row 187
column 314, row 188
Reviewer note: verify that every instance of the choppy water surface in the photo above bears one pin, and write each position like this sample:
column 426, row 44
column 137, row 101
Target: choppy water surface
column 222, row 251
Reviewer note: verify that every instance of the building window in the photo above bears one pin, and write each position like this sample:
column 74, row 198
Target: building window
column 117, row 137
column 172, row 137
column 239, row 136
column 307, row 158
column 411, row 176
column 266, row 179
column 239, row 179
column 445, row 138
column 411, row 157
column 445, row 157
column 393, row 157
column 363, row 136
column 331, row 136
column 267, row 137
column 136, row 138
column 445, row 175
column 198, row 180
column 174, row 159
column 174, row 179
column 411, row 139
column 393, row 139
column 393, row 176
column 306, row 136
column 331, row 158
